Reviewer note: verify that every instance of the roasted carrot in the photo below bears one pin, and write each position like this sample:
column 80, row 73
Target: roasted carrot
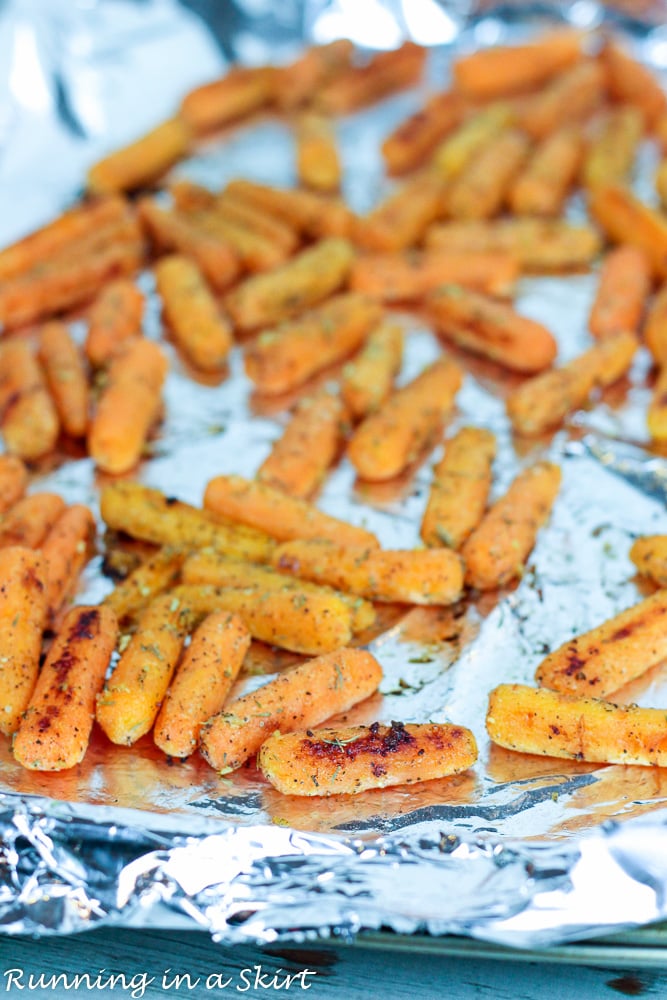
column 630, row 82
column 254, row 251
column 13, row 481
column 303, row 281
column 411, row 275
column 258, row 220
column 313, row 214
column 153, row 517
column 29, row 521
column 385, row 73
column 129, row 406
column 284, row 358
column 141, row 161
column 351, row 759
column 535, row 720
column 30, row 424
column 571, row 97
column 656, row 418
column 309, row 445
column 66, row 377
column 624, row 286
column 299, row 698
column 113, row 318
column 454, row 154
column 189, row 198
column 611, row 155
column 387, row 441
column 459, row 488
column 419, row 576
column 22, row 621
column 239, row 93
column 54, row 732
column 411, row 142
column 655, row 327
column 626, row 219
column 151, row 577
column 66, row 549
column 649, row 554
column 496, row 552
column 661, row 183
column 195, row 321
column 280, row 516
column 368, row 379
column 491, row 328
column 131, row 699
column 479, row 192
column 547, row 177
column 401, row 219
column 318, row 163
column 294, row 84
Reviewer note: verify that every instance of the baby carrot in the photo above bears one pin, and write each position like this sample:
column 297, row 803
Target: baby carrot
column 385, row 443
column 602, row 660
column 304, row 281
column 299, row 698
column 655, row 327
column 401, row 219
column 661, row 183
column 649, row 554
column 13, row 481
column 611, row 154
column 30, row 520
column 404, row 277
column 491, row 328
column 384, row 74
column 454, row 154
column 66, row 377
column 367, row 380
column 202, row 682
column 66, row 549
column 412, row 141
column 656, row 418
column 480, row 191
column 284, row 358
column 141, row 161
column 22, row 621
column 310, row 213
column 282, row 517
column 128, row 407
column 30, row 422
column 294, row 84
column 351, row 759
column 263, row 223
column 630, row 82
column 459, row 489
column 196, row 322
column 254, row 250
column 317, row 159
column 151, row 577
column 113, row 318
column 496, row 551
column 624, row 286
column 571, row 97
column 547, row 177
column 626, row 219
column 236, row 95
column 54, row 732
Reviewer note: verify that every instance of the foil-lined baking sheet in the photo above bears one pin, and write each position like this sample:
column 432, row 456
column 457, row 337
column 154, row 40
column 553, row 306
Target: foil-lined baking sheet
column 515, row 849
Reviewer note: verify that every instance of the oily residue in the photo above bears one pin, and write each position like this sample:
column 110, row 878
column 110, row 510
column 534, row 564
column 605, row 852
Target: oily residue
column 375, row 744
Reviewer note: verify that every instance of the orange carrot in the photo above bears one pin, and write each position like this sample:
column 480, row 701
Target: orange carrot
column 66, row 549
column 479, row 193
column 454, row 155
column 368, row 379
column 546, row 179
column 310, row 213
column 150, row 578
column 571, row 97
column 258, row 220
column 656, row 418
column 13, row 481
column 66, row 377
column 22, row 621
column 254, row 250
column 632, row 83
column 411, row 275
column 114, row 317
column 626, row 219
column 30, row 520
column 401, row 219
column 317, row 159
column 655, row 327
column 611, row 154
column 239, row 93
column 54, row 732
column 412, row 141
column 141, row 161
column 196, row 322
column 624, row 286
column 30, row 424
column 294, row 84
column 385, row 73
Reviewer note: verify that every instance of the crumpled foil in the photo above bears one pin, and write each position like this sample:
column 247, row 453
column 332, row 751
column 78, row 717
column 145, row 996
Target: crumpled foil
column 514, row 851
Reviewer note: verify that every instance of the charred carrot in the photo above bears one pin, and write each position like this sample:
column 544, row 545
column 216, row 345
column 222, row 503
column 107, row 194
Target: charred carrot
column 480, row 191
column 239, row 93
column 352, row 759
column 54, row 732
column 411, row 142
column 384, row 74
column 300, row 698
column 113, row 318
column 454, row 154
column 310, row 213
column 626, row 219
column 611, row 154
column 624, row 286
column 409, row 276
column 283, row 517
column 294, row 84
column 491, row 328
column 195, row 321
column 649, row 554
column 30, row 423
column 29, row 521
column 151, row 577
column 142, row 161
column 284, row 358
column 401, row 219
column 22, row 621
column 317, row 158
column 547, row 177
column 387, row 441
column 202, row 682
column 571, row 97
column 459, row 489
column 128, row 407
column 66, row 377
column 13, row 481
column 66, row 549
column 367, row 380
column 632, row 83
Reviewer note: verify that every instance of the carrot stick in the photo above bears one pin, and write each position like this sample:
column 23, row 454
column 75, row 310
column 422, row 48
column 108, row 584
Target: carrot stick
column 30, row 424
column 304, row 281
column 128, row 407
column 300, row 698
column 249, row 216
column 624, row 286
column 29, row 521
column 512, row 69
column 479, row 193
column 141, row 161
column 352, row 759
column 420, row 576
column 236, row 95
column 13, row 481
column 401, row 219
column 280, row 516
column 649, row 554
column 317, row 159
column 547, row 178
column 131, row 699
column 626, row 219
column 189, row 198
column 202, row 682
column 253, row 250
column 544, row 401
column 454, row 154
column 496, row 551
column 411, row 275
column 284, row 358
column 411, row 142
column 630, row 82
column 459, row 489
column 66, row 549
column 114, row 317
column 151, row 516
column 368, row 379
column 310, row 213
column 602, row 660
column 66, row 377
column 491, row 328
column 571, row 97
column 22, row 621
column 151, row 577
column 195, row 321
column 384, row 74
column 655, row 327
column 301, row 457
column 656, row 418
column 385, row 443
column 294, row 84
column 54, row 732
column 611, row 154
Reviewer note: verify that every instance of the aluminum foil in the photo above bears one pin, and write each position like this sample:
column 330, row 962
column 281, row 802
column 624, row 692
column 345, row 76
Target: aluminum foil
column 513, row 851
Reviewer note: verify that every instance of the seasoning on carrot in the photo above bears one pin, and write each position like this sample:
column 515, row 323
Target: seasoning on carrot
column 254, row 251
column 236, row 95
column 150, row 578
column 141, row 161
column 114, row 317
column 569, row 98
column 414, row 138
column 318, row 163
column 479, row 192
column 383, row 74
column 549, row 174
column 626, row 219
column 408, row 276
column 454, row 154
column 310, row 213
column 624, row 286
column 22, row 621
column 196, row 322
column 30, row 424
column 279, row 231
column 611, row 155
column 401, row 219
column 367, row 380
column 66, row 377
column 30, row 520
column 66, row 549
